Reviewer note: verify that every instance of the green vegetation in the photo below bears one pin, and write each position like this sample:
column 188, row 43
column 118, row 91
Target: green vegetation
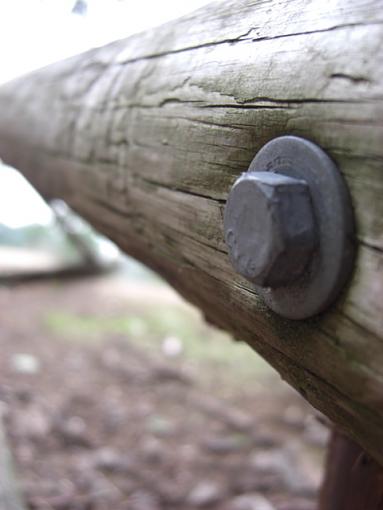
column 41, row 237
column 152, row 327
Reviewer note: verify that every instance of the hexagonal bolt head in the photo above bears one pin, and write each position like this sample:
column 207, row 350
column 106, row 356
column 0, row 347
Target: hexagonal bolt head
column 269, row 228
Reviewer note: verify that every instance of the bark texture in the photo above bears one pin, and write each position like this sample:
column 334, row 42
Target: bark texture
column 144, row 138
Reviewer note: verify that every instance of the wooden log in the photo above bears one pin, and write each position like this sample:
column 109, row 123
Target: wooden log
column 144, row 138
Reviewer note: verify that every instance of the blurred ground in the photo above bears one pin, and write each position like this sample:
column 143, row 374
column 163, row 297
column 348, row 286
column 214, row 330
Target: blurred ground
column 116, row 395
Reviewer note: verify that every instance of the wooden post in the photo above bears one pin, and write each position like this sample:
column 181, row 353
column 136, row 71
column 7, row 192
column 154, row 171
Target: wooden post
column 353, row 479
column 145, row 137
column 10, row 498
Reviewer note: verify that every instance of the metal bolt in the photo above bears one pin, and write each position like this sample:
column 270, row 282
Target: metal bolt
column 270, row 228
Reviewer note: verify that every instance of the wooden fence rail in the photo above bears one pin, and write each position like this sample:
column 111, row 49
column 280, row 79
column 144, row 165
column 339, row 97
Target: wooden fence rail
column 144, row 138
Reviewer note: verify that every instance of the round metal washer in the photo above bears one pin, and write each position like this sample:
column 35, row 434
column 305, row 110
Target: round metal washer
column 333, row 259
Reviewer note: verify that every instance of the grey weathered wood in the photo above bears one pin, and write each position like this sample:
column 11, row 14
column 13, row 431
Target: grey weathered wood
column 145, row 136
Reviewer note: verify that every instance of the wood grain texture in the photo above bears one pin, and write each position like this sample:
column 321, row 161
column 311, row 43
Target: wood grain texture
column 145, row 137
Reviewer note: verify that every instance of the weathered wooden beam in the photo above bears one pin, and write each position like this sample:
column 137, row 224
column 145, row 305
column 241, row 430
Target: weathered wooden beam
column 145, row 136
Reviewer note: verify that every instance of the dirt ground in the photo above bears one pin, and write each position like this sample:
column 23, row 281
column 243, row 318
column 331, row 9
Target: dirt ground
column 115, row 395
